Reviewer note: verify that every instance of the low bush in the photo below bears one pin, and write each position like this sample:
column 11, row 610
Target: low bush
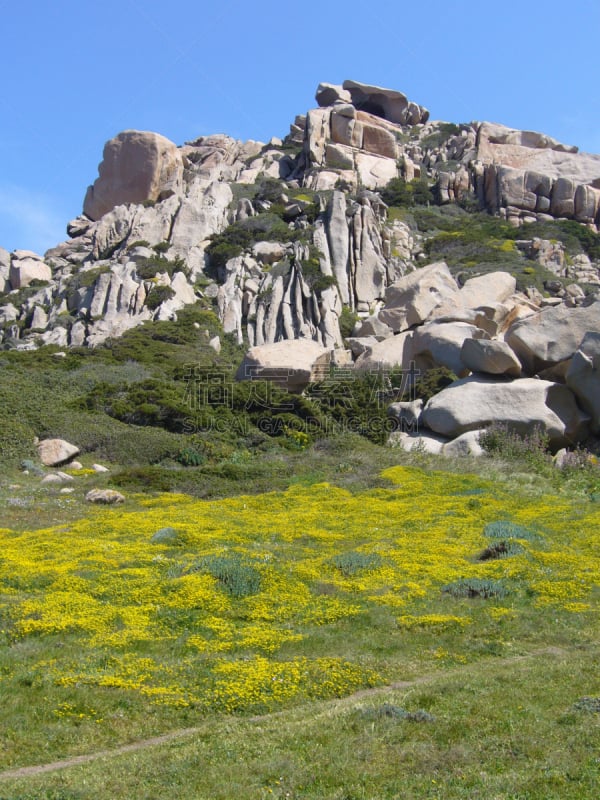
column 503, row 529
column 504, row 442
column 475, row 587
column 354, row 562
column 391, row 711
column 237, row 578
column 158, row 295
column 399, row 192
column 148, row 268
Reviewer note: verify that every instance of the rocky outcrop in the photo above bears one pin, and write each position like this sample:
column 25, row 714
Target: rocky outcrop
column 322, row 249
column 137, row 167
column 526, row 172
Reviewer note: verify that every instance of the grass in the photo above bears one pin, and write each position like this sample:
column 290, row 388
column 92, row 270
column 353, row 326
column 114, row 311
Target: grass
column 502, row 729
column 291, row 603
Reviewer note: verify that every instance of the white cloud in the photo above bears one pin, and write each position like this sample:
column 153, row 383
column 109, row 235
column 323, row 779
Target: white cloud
column 29, row 220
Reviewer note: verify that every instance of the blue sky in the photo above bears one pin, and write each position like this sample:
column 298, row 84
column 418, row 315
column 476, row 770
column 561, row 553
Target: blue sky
column 74, row 74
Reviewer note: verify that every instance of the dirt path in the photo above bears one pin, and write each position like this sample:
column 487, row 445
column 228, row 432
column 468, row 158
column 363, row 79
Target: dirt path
column 165, row 738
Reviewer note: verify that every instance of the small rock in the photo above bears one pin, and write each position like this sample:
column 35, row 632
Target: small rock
column 406, row 414
column 52, row 478
column 75, row 465
column 67, row 490
column 105, row 496
column 418, row 442
column 64, row 476
column 467, row 444
column 99, row 468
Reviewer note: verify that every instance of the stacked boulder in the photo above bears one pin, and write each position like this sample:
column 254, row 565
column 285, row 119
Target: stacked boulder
column 517, row 364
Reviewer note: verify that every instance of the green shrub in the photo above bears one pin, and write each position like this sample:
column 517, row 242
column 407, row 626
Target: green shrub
column 475, row 587
column 396, row 193
column 433, row 381
column 504, row 529
column 504, row 442
column 391, row 711
column 311, row 272
column 190, row 457
column 446, row 130
column 354, row 562
column 145, row 479
column 158, row 295
column 148, row 268
column 237, row 578
column 16, row 440
column 166, row 536
column 348, row 320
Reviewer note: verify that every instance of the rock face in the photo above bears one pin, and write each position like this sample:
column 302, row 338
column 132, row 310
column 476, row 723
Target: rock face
column 583, row 377
column 55, row 452
column 291, row 364
column 137, row 166
column 474, row 403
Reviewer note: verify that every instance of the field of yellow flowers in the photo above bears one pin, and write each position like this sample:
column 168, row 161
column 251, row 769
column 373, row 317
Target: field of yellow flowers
column 134, row 621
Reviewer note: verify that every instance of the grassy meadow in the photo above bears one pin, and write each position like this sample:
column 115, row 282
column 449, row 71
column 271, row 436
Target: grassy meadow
column 434, row 635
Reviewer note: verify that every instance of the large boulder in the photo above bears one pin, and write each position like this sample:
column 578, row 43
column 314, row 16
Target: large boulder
column 424, row 442
column 439, row 344
column 27, row 267
column 474, row 403
column 485, row 290
column 137, row 166
column 406, row 415
column 291, row 364
column 330, row 93
column 583, row 377
column 467, row 444
column 391, row 353
column 386, row 103
column 55, row 452
column 553, row 335
column 493, row 357
column 415, row 297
